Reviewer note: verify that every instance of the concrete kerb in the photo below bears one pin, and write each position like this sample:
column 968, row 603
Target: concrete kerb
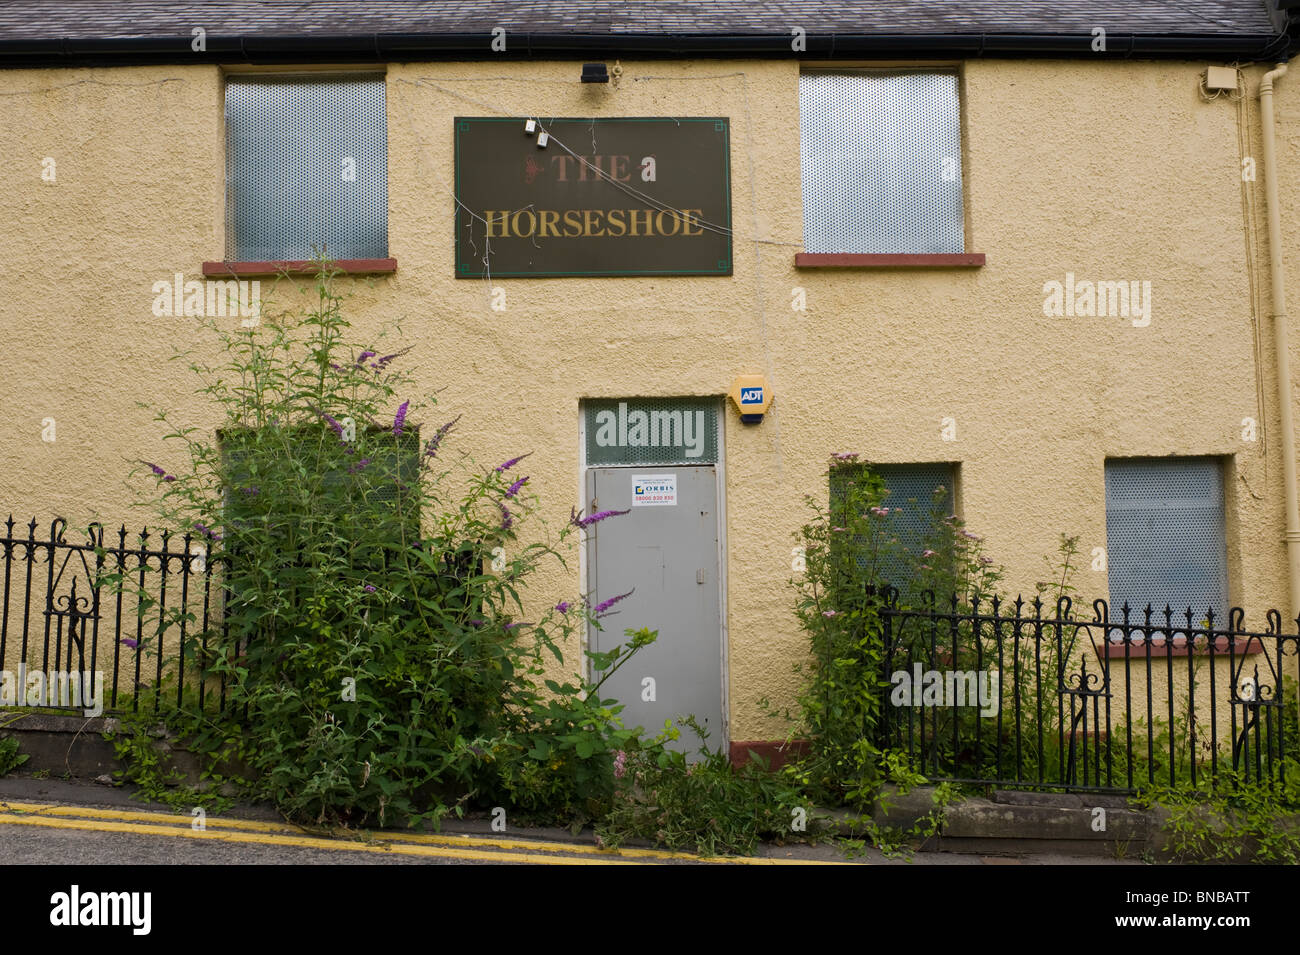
column 1013, row 822
column 71, row 745
column 1009, row 823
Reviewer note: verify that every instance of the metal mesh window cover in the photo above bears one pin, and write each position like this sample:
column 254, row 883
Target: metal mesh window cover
column 881, row 159
column 910, row 498
column 1165, row 536
column 307, row 166
column 651, row 431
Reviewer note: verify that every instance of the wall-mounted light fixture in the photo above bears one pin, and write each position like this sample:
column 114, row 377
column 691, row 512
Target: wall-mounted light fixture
column 594, row 73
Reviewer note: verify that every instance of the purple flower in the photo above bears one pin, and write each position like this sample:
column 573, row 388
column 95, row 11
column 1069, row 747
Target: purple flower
column 207, row 532
column 841, row 529
column 361, row 359
column 845, row 456
column 513, row 489
column 928, row 553
column 577, row 521
column 600, row 609
column 506, row 520
column 400, row 419
column 562, row 606
column 970, row 537
column 251, row 490
column 829, row 613
column 431, row 448
column 130, row 642
column 370, row 588
column 511, row 463
column 158, row 471
column 358, row 466
column 986, row 561
column 338, row 428
column 880, row 511
column 620, row 764
column 380, row 363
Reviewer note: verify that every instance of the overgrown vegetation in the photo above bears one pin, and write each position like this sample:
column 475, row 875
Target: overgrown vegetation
column 1239, row 820
column 706, row 806
column 379, row 661
column 382, row 662
column 10, row 758
column 1251, row 814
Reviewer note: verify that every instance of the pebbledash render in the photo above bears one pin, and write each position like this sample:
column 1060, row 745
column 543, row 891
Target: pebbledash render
column 1022, row 254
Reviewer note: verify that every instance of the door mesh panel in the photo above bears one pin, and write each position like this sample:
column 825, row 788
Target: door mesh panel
column 666, row 419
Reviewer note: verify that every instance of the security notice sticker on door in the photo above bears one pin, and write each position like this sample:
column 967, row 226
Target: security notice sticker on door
column 654, row 489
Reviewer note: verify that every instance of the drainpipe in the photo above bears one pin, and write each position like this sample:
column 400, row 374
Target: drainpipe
column 1280, row 344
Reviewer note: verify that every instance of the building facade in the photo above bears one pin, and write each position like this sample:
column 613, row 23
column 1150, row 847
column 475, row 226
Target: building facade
column 1021, row 255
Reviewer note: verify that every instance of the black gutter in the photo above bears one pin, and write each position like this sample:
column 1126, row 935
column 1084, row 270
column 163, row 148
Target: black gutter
column 416, row 47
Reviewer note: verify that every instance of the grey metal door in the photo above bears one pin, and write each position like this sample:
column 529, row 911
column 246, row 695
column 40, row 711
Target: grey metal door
column 665, row 550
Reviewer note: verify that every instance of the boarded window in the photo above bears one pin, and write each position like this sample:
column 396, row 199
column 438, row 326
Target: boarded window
column 881, row 157
column 358, row 505
column 1165, row 536
column 914, row 501
column 307, row 168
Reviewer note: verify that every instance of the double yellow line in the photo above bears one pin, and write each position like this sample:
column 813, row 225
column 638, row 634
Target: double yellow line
column 441, row 846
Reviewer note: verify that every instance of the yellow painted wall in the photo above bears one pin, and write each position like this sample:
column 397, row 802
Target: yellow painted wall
column 1114, row 171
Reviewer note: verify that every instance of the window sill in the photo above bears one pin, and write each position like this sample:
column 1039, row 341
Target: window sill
column 855, row 260
column 1160, row 648
column 299, row 267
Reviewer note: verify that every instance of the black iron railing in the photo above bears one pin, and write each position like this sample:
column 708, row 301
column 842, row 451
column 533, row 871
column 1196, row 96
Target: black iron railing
column 136, row 611
column 130, row 615
column 1036, row 696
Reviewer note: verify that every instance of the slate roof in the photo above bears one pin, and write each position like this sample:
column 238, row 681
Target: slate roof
column 42, row 32
column 37, row 19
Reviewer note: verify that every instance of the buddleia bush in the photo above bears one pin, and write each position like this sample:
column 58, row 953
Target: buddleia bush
column 373, row 644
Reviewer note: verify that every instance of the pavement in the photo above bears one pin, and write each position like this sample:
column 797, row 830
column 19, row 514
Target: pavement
column 46, row 821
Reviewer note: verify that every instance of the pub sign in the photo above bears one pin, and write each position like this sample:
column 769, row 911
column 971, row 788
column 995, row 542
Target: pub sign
column 627, row 196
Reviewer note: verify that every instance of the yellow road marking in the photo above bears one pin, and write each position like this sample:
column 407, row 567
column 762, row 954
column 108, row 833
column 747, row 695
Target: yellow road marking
column 304, row 842
column 442, row 839
column 256, row 825
column 157, row 821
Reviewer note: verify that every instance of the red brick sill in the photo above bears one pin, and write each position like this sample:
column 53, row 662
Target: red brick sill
column 854, row 260
column 1137, row 650
column 776, row 752
column 299, row 267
